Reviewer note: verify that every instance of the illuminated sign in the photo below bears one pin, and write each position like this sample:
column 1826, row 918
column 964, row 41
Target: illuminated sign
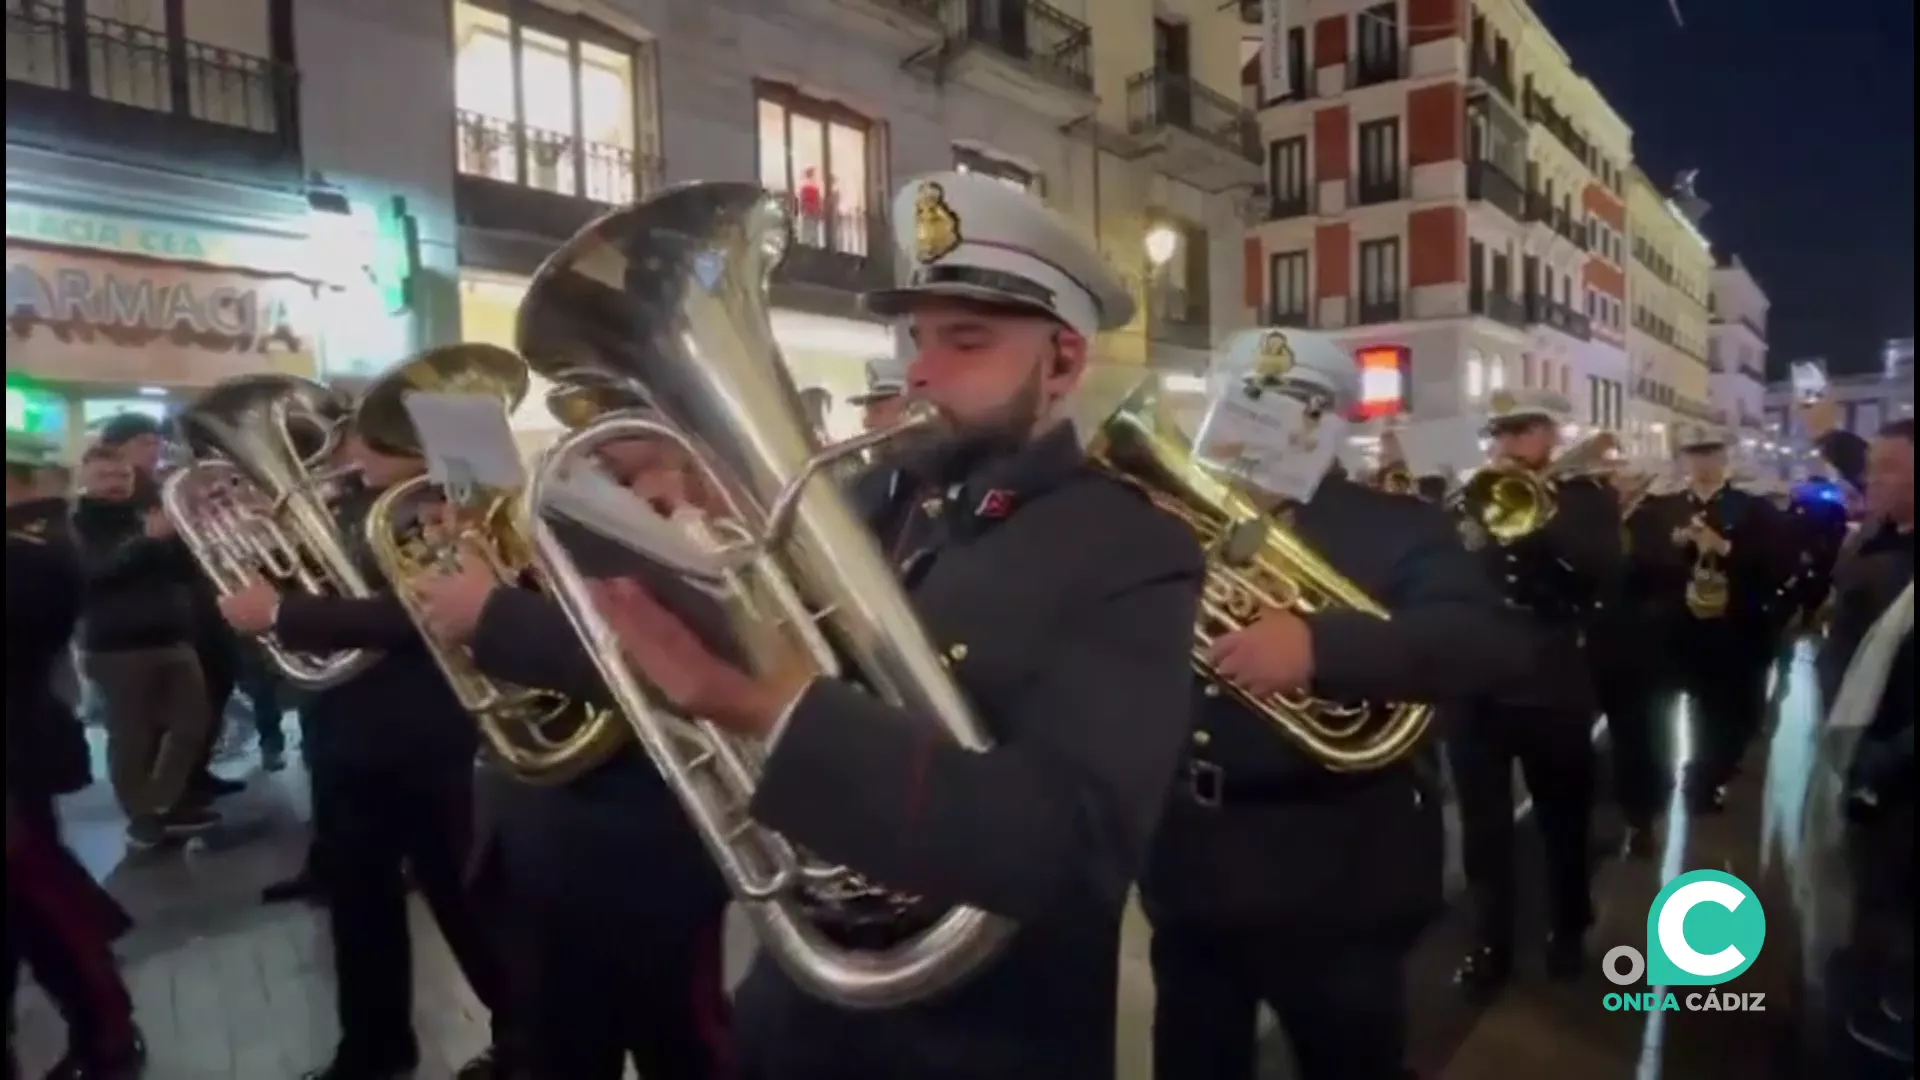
column 127, row 299
column 32, row 408
column 114, row 234
column 1383, row 379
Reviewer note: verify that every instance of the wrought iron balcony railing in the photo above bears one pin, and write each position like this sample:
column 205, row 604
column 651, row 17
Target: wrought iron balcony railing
column 516, row 153
column 1159, row 98
column 1048, row 41
column 1487, row 183
column 1380, row 309
column 1498, row 305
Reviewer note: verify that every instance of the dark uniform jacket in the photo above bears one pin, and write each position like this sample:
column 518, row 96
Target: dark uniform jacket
column 138, row 589
column 1559, row 579
column 1065, row 602
column 1755, row 568
column 1816, row 531
column 46, row 748
column 398, row 712
column 1355, row 853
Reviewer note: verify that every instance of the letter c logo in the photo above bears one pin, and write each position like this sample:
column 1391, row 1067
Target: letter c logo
column 1704, row 928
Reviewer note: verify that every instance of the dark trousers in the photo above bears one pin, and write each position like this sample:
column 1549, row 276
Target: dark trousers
column 60, row 926
column 1727, row 687
column 1639, row 743
column 1554, row 748
column 261, row 684
column 374, row 821
column 1341, row 1003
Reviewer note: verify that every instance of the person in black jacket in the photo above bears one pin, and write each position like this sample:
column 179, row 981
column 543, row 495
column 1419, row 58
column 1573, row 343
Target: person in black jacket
column 393, row 773
column 136, row 648
column 1557, row 577
column 60, row 923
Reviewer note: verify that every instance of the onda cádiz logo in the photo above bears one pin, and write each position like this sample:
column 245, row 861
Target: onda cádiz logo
column 1703, row 929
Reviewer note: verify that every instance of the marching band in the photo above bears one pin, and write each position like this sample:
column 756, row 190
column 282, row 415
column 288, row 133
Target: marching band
column 927, row 723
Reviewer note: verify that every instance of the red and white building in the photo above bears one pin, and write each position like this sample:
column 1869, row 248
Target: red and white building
column 1444, row 189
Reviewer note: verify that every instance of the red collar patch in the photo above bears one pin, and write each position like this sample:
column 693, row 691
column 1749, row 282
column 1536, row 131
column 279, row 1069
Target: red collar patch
column 994, row 505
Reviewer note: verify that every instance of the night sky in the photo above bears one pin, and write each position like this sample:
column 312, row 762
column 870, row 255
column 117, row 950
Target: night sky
column 1799, row 114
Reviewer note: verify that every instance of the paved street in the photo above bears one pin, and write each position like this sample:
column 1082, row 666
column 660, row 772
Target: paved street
column 230, row 990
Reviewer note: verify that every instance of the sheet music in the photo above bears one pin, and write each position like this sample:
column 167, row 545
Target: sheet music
column 592, row 500
column 1275, row 443
column 468, row 442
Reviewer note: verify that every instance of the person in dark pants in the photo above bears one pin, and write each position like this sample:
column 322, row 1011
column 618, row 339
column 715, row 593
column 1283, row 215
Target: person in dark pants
column 1062, row 601
column 1286, row 875
column 1555, row 577
column 1716, row 560
column 601, row 968
column 60, row 922
column 261, row 684
column 392, row 792
column 1628, row 657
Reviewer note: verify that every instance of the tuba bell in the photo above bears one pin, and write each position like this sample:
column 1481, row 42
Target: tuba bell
column 1254, row 565
column 252, row 503
column 668, row 300
column 540, row 736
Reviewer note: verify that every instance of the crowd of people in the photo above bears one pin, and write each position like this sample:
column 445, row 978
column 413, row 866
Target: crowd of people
column 1268, row 776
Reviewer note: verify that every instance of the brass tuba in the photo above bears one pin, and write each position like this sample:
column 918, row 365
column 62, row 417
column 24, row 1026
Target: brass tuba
column 253, row 503
column 668, row 298
column 1255, row 565
column 540, row 736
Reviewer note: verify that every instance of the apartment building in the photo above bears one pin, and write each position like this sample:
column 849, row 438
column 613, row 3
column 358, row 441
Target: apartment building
column 1737, row 348
column 1669, row 282
column 1866, row 401
column 1446, row 194
column 430, row 155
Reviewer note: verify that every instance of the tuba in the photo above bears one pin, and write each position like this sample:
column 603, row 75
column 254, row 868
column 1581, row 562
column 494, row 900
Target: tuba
column 668, row 300
column 1254, row 565
column 540, row 736
column 253, row 503
column 1512, row 502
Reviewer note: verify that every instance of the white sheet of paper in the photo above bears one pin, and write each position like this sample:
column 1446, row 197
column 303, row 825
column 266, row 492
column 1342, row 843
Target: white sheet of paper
column 467, row 440
column 1274, row 443
column 593, row 500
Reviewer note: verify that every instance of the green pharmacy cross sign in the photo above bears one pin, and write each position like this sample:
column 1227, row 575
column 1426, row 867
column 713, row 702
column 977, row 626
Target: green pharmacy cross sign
column 396, row 255
column 34, row 409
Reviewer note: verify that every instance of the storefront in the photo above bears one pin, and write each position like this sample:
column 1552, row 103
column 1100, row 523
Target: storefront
column 820, row 351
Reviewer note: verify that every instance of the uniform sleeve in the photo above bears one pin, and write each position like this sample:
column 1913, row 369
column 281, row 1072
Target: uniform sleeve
column 1587, row 534
column 1762, row 548
column 1065, row 807
column 325, row 623
column 1450, row 636
column 524, row 638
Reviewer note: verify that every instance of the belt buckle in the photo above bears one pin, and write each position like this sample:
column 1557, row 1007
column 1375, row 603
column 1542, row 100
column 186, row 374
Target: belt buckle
column 1206, row 783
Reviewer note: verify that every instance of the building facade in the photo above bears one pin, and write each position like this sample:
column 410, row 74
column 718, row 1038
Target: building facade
column 1669, row 281
column 1445, row 194
column 399, row 192
column 1737, row 349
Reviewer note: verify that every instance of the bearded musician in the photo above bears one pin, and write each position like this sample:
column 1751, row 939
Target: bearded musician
column 607, row 907
column 1716, row 558
column 1556, row 576
column 1279, row 876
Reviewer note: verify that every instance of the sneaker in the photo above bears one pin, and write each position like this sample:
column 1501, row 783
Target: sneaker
column 188, row 821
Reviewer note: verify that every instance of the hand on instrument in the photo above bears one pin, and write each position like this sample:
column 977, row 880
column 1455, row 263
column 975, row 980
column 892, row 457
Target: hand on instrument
column 157, row 525
column 253, row 609
column 453, row 600
column 1272, row 656
column 671, row 657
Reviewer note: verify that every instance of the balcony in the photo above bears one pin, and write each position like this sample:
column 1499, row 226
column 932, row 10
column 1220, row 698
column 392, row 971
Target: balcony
column 533, row 187
column 1021, row 50
column 1499, row 306
column 110, row 89
column 1195, row 133
column 1540, row 110
column 845, row 253
column 1380, row 309
column 1374, row 190
column 901, row 23
column 1377, row 66
column 1486, row 183
column 1542, row 311
column 1292, row 204
column 1481, row 65
column 1293, row 316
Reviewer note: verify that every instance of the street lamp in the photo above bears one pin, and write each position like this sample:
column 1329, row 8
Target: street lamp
column 1162, row 241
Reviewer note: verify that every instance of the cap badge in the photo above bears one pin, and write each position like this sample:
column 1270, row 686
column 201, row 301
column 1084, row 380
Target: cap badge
column 936, row 228
column 1276, row 356
column 1502, row 401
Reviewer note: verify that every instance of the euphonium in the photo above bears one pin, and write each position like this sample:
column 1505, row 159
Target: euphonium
column 1254, row 565
column 668, row 299
column 253, row 503
column 541, row 736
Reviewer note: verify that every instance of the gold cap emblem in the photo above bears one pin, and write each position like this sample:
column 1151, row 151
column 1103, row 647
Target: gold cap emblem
column 936, row 228
column 1276, row 355
column 1502, row 401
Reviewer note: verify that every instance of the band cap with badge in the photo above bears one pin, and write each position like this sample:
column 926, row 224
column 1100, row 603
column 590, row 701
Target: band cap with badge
column 1277, row 409
column 886, row 379
column 972, row 237
column 1512, row 408
column 1701, row 438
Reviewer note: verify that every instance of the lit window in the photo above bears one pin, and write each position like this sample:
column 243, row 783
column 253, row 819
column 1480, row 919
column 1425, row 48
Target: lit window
column 817, row 154
column 564, row 121
column 1476, row 375
column 1497, row 373
column 972, row 161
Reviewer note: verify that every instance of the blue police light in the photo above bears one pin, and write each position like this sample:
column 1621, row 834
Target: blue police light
column 1820, row 491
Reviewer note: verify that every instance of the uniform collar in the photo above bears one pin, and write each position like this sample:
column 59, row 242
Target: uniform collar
column 983, row 491
column 33, row 517
column 1693, row 494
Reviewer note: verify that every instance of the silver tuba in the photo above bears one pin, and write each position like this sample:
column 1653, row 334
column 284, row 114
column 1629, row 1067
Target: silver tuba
column 253, row 502
column 668, row 298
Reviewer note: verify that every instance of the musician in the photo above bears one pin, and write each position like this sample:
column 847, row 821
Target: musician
column 609, row 908
column 1064, row 603
column 1275, row 878
column 885, row 399
column 1627, row 651
column 1554, row 577
column 393, row 771
column 60, row 923
column 1712, row 532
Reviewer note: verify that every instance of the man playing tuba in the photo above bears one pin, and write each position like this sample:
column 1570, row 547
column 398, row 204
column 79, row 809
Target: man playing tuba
column 1062, row 602
column 1265, row 845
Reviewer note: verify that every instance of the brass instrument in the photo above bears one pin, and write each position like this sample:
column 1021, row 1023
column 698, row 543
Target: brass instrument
column 1512, row 502
column 668, row 298
column 1254, row 565
column 1708, row 590
column 1395, row 478
column 253, row 503
column 541, row 736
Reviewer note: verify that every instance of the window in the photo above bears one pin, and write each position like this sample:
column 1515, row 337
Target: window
column 973, row 161
column 818, row 154
column 1288, row 285
column 1181, row 294
column 1379, row 53
column 1379, row 277
column 1476, row 374
column 550, row 102
column 1287, row 174
column 1380, row 161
